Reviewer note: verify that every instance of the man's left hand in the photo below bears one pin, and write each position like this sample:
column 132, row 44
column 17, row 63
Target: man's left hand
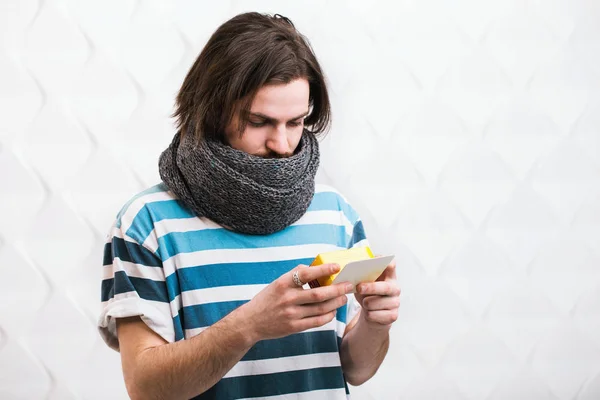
column 380, row 299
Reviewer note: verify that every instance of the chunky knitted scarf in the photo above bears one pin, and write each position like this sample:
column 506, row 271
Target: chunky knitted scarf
column 239, row 191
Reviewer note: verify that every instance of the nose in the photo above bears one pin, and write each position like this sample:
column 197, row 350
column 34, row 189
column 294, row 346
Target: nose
column 277, row 141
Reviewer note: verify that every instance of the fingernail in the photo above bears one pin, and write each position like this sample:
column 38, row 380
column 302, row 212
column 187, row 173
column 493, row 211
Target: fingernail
column 349, row 287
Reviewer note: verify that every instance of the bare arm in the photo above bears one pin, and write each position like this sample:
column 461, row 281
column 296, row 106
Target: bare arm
column 363, row 350
column 366, row 340
column 155, row 369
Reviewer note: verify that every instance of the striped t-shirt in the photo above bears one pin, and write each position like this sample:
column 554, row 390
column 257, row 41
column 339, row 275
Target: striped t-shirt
column 182, row 274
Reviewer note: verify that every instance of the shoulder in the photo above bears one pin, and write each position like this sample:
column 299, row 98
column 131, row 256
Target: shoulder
column 141, row 200
column 137, row 216
column 329, row 198
column 327, row 193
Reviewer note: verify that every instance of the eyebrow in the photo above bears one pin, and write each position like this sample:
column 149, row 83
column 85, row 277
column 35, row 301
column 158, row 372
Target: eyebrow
column 266, row 117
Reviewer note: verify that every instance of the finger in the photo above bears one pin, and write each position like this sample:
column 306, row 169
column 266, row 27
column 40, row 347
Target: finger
column 389, row 273
column 307, row 274
column 324, row 293
column 314, row 309
column 376, row 303
column 378, row 288
column 382, row 317
column 313, row 322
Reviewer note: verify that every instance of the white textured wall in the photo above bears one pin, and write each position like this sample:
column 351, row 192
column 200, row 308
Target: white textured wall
column 477, row 127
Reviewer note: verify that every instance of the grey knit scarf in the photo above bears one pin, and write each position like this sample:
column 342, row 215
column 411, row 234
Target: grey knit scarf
column 239, row 191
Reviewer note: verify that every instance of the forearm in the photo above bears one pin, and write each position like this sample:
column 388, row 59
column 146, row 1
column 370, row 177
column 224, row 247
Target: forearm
column 154, row 369
column 184, row 369
column 364, row 348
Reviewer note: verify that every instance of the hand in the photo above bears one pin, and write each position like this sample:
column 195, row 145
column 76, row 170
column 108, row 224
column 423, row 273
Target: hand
column 283, row 308
column 380, row 300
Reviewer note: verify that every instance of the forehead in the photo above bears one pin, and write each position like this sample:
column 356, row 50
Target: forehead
column 281, row 101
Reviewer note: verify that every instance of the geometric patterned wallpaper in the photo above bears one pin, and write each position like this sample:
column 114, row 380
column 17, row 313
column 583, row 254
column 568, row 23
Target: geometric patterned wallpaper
column 465, row 132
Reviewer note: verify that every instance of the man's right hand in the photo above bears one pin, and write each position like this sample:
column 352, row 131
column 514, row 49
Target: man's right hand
column 283, row 308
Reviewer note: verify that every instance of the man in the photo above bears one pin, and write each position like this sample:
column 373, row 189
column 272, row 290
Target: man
column 204, row 289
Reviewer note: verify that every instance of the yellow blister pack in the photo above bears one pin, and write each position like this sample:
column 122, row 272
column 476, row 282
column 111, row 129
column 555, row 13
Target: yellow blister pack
column 340, row 257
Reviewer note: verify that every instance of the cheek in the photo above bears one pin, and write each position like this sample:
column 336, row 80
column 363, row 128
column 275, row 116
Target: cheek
column 252, row 141
column 295, row 136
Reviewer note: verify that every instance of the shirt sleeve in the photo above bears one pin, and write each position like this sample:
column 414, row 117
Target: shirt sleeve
column 133, row 284
column 357, row 239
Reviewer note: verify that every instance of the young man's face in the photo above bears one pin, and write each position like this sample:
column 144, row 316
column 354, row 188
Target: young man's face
column 275, row 122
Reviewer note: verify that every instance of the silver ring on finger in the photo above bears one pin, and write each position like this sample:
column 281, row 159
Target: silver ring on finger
column 297, row 280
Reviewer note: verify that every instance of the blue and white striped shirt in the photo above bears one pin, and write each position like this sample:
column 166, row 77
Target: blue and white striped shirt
column 181, row 274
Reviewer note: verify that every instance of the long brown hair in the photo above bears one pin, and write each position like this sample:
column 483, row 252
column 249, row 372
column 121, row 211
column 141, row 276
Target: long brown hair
column 245, row 53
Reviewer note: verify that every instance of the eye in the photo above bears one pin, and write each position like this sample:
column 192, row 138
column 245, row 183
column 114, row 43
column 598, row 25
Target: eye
column 296, row 123
column 257, row 124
